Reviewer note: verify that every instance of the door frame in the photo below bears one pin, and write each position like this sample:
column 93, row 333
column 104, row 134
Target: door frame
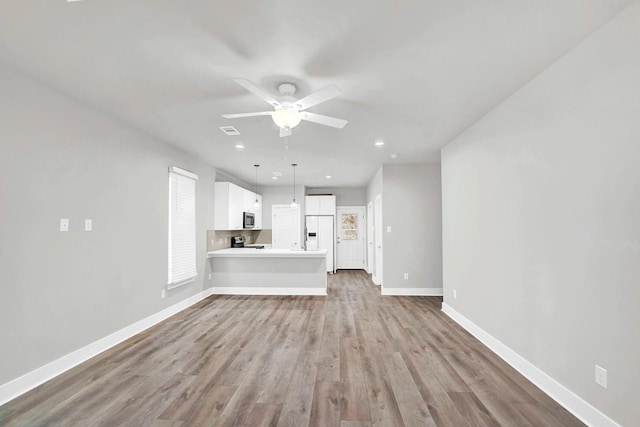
column 377, row 241
column 369, row 246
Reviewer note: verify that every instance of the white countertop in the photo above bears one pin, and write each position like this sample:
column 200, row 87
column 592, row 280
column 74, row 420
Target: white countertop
column 266, row 253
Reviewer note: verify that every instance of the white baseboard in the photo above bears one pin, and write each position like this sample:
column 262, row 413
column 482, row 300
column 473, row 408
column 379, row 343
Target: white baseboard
column 30, row 380
column 565, row 397
column 249, row 290
column 413, row 292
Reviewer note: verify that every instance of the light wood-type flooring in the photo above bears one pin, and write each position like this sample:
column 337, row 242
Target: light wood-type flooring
column 351, row 359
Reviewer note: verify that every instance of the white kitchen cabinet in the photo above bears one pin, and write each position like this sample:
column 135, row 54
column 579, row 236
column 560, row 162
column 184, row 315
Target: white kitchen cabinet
column 230, row 202
column 320, row 205
column 250, row 206
column 249, row 200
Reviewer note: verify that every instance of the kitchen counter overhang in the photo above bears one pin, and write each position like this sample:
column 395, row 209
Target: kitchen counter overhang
column 266, row 253
column 249, row 271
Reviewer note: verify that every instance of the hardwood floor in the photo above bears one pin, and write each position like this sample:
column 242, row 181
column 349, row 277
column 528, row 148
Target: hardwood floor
column 351, row 359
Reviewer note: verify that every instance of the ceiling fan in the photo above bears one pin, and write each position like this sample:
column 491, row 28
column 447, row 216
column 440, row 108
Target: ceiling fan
column 290, row 111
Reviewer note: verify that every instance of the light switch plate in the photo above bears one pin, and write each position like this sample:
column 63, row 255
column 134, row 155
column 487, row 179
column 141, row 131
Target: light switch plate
column 88, row 225
column 388, row 229
column 64, row 224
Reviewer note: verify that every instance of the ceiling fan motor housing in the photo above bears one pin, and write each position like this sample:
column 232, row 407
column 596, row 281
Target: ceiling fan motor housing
column 289, row 111
column 286, row 89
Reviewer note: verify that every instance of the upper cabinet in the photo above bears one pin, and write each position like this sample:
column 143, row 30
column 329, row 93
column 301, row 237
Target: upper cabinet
column 250, row 199
column 230, row 202
column 320, row 205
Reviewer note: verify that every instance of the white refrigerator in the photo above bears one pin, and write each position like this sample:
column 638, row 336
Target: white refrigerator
column 320, row 234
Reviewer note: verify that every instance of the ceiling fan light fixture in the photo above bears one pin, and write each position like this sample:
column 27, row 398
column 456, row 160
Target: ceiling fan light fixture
column 286, row 117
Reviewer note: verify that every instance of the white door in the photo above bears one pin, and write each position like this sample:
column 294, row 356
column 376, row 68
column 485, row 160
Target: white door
column 369, row 266
column 285, row 227
column 377, row 240
column 350, row 237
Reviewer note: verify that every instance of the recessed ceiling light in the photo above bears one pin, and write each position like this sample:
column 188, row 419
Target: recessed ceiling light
column 274, row 177
column 328, row 176
column 239, row 146
column 379, row 143
column 394, row 156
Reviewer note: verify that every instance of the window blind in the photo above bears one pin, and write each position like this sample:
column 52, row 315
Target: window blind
column 182, row 227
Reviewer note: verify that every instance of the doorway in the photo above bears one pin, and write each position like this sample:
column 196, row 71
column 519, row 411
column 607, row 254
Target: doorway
column 350, row 237
column 285, row 226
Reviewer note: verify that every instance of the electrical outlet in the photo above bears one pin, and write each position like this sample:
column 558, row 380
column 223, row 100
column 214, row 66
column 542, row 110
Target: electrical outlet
column 88, row 225
column 601, row 376
column 406, row 276
column 455, row 294
column 388, row 229
column 64, row 224
column 163, row 294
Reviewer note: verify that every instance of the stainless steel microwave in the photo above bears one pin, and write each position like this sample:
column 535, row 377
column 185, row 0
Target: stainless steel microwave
column 248, row 220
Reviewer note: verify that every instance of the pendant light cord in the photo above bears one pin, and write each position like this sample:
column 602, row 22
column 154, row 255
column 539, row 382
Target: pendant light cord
column 294, row 181
column 256, row 186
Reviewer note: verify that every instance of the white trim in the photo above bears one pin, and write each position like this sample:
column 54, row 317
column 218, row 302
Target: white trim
column 253, row 290
column 378, row 239
column 30, row 380
column 565, row 397
column 181, row 282
column 415, row 292
column 369, row 246
column 183, row 172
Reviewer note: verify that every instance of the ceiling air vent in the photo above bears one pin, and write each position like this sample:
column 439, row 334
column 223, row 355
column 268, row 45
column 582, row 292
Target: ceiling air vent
column 229, row 130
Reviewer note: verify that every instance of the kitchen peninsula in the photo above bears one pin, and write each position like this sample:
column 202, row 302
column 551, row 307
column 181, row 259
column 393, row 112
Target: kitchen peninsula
column 249, row 271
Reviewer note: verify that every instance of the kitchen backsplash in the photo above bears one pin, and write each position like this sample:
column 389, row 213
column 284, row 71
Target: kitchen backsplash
column 221, row 239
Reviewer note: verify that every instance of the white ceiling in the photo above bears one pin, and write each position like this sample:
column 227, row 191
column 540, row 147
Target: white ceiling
column 414, row 74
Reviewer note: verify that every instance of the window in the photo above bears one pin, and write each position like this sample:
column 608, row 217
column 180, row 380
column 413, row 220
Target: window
column 182, row 227
column 349, row 229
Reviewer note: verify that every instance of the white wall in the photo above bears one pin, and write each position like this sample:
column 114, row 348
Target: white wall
column 375, row 186
column 345, row 196
column 62, row 291
column 225, row 177
column 279, row 195
column 541, row 209
column 412, row 207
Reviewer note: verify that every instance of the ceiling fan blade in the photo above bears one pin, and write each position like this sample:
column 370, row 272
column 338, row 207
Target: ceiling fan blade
column 235, row 116
column 256, row 90
column 323, row 120
column 317, row 97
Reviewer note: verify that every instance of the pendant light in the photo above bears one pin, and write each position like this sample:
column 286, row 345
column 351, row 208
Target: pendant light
column 294, row 204
column 256, row 204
